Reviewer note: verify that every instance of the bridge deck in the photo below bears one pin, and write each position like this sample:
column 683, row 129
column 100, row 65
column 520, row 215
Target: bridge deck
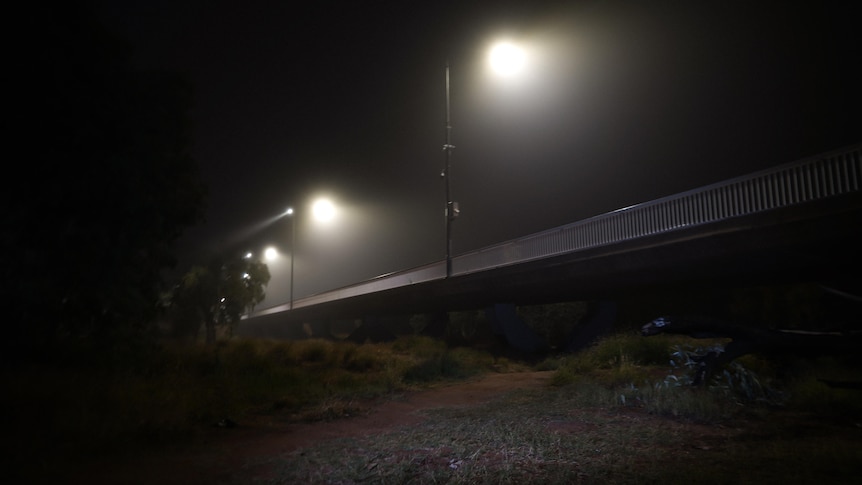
column 799, row 221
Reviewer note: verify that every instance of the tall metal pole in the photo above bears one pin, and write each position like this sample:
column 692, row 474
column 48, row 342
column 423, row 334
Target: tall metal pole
column 292, row 251
column 451, row 209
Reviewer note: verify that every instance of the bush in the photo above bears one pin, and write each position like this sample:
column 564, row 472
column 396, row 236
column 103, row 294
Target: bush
column 442, row 366
column 807, row 388
column 418, row 345
column 281, row 353
column 656, row 373
column 361, row 358
column 316, row 351
column 174, row 390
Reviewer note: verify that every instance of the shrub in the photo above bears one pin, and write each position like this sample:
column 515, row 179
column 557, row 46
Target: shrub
column 442, row 366
column 281, row 353
column 168, row 393
column 315, row 351
column 418, row 345
column 630, row 366
column 361, row 358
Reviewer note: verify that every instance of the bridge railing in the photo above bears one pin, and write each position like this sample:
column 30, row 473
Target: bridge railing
column 428, row 272
column 807, row 180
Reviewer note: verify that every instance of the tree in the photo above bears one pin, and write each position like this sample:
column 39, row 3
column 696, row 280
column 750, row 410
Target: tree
column 104, row 182
column 217, row 294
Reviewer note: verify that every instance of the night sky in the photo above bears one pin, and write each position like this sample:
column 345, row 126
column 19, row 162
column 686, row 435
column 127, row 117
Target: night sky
column 622, row 102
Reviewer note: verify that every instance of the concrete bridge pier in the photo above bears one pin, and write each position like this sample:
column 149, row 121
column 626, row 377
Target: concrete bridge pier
column 505, row 321
column 599, row 321
column 380, row 329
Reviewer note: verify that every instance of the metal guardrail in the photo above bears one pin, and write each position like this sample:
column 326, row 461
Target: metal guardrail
column 429, row 272
column 829, row 175
column 803, row 181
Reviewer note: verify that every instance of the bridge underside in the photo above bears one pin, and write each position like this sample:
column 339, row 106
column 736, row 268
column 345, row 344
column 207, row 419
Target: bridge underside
column 817, row 242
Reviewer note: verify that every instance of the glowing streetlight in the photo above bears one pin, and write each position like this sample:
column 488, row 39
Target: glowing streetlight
column 289, row 213
column 505, row 59
column 270, row 254
column 323, row 210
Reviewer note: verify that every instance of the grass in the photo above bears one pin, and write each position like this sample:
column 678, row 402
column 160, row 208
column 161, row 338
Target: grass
column 615, row 413
column 612, row 415
column 566, row 435
column 82, row 403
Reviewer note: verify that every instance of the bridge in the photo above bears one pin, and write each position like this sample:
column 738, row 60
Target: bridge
column 797, row 222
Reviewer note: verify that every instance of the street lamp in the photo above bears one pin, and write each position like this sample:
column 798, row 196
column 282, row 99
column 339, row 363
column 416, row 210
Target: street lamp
column 452, row 210
column 505, row 59
column 322, row 210
column 289, row 213
column 270, row 254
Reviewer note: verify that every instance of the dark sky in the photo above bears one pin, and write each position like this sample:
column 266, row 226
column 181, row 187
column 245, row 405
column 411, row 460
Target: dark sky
column 624, row 102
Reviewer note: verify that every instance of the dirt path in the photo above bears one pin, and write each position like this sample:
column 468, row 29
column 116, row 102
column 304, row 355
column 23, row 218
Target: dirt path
column 253, row 448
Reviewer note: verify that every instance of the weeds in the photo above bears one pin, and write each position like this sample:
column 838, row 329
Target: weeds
column 173, row 393
column 620, row 412
column 656, row 374
column 574, row 434
column 617, row 413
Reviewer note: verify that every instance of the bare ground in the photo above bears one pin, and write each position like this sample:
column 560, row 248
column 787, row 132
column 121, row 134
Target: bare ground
column 253, row 451
column 250, row 448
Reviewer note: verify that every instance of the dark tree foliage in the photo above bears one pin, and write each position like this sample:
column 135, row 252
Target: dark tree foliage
column 103, row 187
column 216, row 294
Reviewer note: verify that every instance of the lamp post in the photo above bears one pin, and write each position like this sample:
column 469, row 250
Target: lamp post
column 451, row 206
column 505, row 59
column 289, row 213
column 323, row 211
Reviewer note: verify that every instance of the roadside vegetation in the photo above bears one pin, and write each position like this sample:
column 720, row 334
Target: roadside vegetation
column 622, row 411
column 81, row 402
